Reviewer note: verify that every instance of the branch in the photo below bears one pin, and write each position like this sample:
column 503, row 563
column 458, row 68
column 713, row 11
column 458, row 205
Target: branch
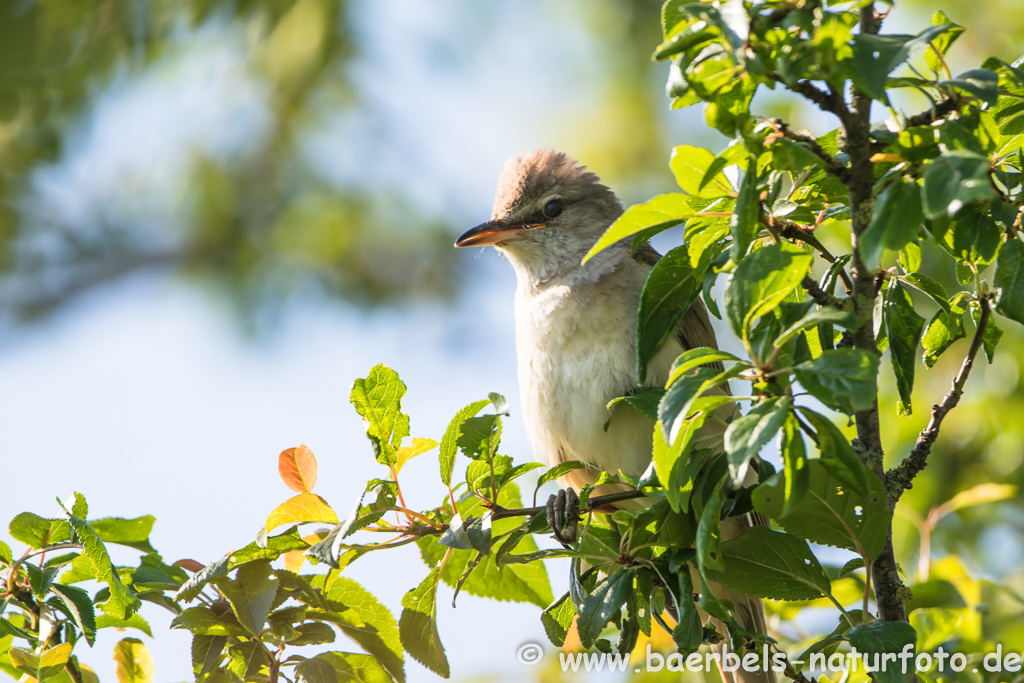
column 793, row 231
column 820, row 296
column 833, row 166
column 592, row 504
column 827, row 101
column 901, row 477
column 936, row 113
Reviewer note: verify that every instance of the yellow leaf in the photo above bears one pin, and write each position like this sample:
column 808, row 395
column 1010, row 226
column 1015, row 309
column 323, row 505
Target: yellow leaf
column 297, row 468
column 983, row 493
column 887, row 157
column 43, row 666
column 305, row 507
column 407, row 453
column 134, row 663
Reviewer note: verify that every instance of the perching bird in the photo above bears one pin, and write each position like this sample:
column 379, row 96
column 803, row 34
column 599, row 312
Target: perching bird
column 575, row 332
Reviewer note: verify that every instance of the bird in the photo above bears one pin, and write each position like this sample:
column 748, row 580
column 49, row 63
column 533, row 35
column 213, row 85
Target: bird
column 575, row 336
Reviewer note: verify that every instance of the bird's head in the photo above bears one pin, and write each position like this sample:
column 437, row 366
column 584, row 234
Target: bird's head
column 548, row 212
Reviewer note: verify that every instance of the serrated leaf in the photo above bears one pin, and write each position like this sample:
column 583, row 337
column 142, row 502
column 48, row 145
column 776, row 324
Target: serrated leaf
column 771, row 564
column 418, row 625
column 297, row 468
column 134, row 621
column 557, row 619
column 745, row 222
column 842, row 379
column 670, row 289
column 944, row 329
column 79, row 607
column 251, row 594
column 831, row 513
column 880, row 638
column 191, row 588
column 602, row 603
column 37, row 532
column 206, row 652
column 903, row 329
column 246, row 659
column 828, row 314
column 378, row 399
column 645, row 401
column 203, row 621
column 316, row 670
column 895, row 220
column 41, row 666
column 1009, row 279
column 664, row 210
column 876, row 56
column 761, row 282
column 122, row 602
column 747, row 435
column 981, row 83
column 954, row 180
column 134, row 663
column 305, row 507
column 942, row 42
column 449, row 442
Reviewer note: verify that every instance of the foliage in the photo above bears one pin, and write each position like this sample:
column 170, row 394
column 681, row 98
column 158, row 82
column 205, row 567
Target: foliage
column 915, row 194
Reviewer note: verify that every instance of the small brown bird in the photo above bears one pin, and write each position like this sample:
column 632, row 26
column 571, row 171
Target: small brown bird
column 575, row 333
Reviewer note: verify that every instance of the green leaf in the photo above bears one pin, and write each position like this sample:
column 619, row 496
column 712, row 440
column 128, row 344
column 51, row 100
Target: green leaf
column 645, row 401
column 981, row 83
column 246, row 660
column 745, row 222
column 827, row 314
column 930, row 287
column 771, row 564
column 875, row 57
column 1009, row 280
column 836, row 454
column 316, row 670
column 973, row 238
column 794, row 459
column 944, row 329
column 38, row 532
column 378, row 399
column 78, row 605
column 479, row 437
column 903, row 329
column 122, row 602
column 831, row 513
column 191, row 588
column 557, row 471
column 761, row 282
column 406, row 453
column 992, row 332
column 361, row 617
column 134, row 621
column 133, row 533
column 449, row 441
column 942, row 42
column 709, row 531
column 670, row 289
column 515, row 582
column 204, row 621
column 682, row 397
column 895, row 221
column 602, row 604
column 664, row 210
column 134, row 663
column 557, row 619
column 691, row 165
column 349, row 666
column 747, row 435
column 206, row 652
column 842, row 379
column 954, row 180
column 882, row 637
column 418, row 625
column 251, row 594
column 41, row 666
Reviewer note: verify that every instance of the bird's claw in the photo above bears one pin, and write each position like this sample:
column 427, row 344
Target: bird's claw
column 563, row 512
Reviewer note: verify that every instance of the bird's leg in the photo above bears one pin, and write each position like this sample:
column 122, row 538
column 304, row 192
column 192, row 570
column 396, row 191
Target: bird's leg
column 563, row 512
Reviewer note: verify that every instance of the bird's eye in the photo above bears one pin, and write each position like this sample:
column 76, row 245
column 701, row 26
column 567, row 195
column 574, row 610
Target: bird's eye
column 553, row 208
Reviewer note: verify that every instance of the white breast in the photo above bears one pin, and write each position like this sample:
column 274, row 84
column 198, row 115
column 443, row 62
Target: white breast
column 576, row 353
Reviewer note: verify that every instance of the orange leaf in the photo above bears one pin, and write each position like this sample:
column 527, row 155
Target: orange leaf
column 293, row 559
column 305, row 507
column 298, row 469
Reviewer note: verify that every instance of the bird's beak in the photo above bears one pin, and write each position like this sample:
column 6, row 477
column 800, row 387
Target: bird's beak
column 493, row 232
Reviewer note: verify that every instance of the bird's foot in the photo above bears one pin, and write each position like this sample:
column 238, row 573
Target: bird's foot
column 564, row 516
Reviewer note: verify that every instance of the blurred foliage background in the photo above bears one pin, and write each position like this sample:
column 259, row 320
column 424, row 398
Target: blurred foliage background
column 255, row 165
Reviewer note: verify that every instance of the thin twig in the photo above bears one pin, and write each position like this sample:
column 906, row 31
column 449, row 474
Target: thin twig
column 793, row 231
column 901, row 477
column 819, row 295
column 592, row 504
